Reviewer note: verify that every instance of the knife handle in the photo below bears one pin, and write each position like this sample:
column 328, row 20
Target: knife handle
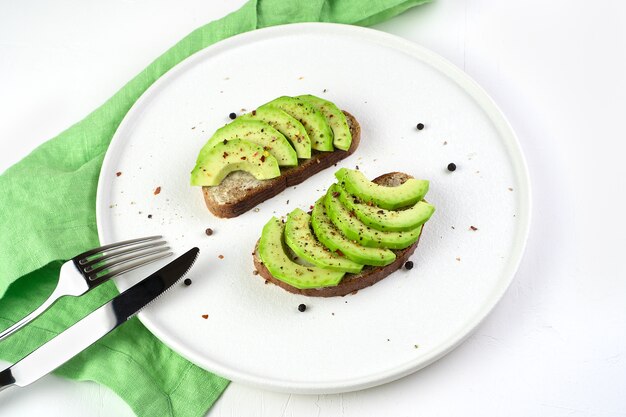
column 6, row 379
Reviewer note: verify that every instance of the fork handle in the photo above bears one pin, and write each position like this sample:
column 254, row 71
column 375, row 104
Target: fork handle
column 56, row 294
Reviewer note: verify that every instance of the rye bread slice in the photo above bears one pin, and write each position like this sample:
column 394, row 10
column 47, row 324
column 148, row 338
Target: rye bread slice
column 240, row 191
column 350, row 283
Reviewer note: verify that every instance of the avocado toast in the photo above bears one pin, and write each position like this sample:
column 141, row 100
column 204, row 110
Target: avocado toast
column 330, row 251
column 278, row 145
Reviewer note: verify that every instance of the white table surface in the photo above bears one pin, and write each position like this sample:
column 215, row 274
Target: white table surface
column 556, row 343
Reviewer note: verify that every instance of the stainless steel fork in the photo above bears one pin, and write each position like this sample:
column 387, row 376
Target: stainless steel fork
column 90, row 269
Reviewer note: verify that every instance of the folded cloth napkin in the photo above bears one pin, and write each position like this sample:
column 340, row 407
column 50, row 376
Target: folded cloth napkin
column 47, row 215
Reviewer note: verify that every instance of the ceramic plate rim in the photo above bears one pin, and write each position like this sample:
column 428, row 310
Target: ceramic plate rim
column 483, row 100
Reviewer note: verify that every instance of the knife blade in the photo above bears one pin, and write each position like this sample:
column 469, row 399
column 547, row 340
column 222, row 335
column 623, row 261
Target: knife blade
column 96, row 325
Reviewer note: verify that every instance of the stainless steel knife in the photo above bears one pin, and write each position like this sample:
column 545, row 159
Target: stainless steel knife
column 96, row 325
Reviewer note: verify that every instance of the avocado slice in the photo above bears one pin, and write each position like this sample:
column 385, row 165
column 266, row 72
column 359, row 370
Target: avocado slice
column 300, row 239
column 387, row 220
column 259, row 132
column 285, row 124
column 234, row 155
column 313, row 121
column 356, row 230
column 332, row 238
column 274, row 256
column 342, row 137
column 390, row 198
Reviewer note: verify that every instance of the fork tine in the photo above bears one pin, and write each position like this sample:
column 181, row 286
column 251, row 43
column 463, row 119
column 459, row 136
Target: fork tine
column 84, row 263
column 116, row 245
column 123, row 260
column 130, row 267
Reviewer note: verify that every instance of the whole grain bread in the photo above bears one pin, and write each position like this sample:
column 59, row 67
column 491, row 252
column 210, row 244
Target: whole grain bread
column 240, row 191
column 350, row 283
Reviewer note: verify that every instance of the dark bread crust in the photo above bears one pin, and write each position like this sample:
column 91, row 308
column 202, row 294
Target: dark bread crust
column 350, row 283
column 240, row 193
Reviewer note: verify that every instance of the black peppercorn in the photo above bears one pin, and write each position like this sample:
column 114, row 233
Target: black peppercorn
column 420, row 126
column 232, row 116
column 302, row 307
column 451, row 166
column 408, row 265
column 187, row 282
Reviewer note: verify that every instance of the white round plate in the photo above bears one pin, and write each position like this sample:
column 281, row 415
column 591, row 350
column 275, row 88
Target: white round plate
column 254, row 333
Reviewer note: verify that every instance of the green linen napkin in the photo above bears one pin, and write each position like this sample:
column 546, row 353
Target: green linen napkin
column 47, row 215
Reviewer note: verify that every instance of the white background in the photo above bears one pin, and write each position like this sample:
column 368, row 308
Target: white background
column 556, row 343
